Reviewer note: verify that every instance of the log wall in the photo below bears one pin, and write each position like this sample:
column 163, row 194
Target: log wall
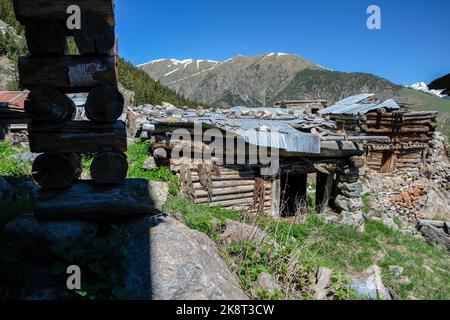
column 233, row 187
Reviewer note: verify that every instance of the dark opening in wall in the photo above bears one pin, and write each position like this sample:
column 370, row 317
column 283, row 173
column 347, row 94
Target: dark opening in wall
column 293, row 193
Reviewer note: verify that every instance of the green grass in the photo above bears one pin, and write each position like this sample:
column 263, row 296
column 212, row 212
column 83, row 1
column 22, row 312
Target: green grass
column 137, row 154
column 10, row 166
column 343, row 249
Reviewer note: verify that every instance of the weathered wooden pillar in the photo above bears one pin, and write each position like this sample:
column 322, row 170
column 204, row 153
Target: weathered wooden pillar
column 324, row 189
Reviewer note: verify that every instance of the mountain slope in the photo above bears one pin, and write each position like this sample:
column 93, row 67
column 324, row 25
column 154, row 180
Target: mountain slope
column 334, row 86
column 254, row 81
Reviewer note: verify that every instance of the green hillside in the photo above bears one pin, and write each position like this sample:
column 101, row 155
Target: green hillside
column 426, row 102
column 334, row 86
column 147, row 90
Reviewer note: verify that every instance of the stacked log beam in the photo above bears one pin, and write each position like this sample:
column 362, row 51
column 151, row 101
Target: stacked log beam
column 50, row 74
column 234, row 187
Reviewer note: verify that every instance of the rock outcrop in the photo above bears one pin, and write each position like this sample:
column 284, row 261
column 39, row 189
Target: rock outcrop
column 169, row 261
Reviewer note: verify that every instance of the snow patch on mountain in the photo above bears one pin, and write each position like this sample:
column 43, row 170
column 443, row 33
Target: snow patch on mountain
column 422, row 86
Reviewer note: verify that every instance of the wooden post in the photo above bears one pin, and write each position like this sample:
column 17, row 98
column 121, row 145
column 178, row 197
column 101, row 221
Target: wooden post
column 109, row 168
column 104, row 104
column 324, row 189
column 276, row 196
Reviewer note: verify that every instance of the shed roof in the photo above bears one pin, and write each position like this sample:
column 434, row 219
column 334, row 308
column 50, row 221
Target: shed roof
column 354, row 106
column 260, row 132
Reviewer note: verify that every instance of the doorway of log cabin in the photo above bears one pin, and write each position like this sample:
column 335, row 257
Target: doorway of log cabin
column 293, row 198
column 389, row 162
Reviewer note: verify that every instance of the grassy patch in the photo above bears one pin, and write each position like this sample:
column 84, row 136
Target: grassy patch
column 10, row 166
column 343, row 249
column 137, row 154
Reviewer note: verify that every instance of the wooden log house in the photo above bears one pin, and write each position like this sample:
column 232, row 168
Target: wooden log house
column 50, row 74
column 406, row 134
column 232, row 179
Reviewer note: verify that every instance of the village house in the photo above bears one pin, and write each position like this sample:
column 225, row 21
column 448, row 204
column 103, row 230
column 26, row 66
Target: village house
column 306, row 148
column 403, row 136
column 12, row 112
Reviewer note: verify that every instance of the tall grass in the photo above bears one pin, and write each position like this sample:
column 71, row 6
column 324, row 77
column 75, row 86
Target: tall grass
column 315, row 243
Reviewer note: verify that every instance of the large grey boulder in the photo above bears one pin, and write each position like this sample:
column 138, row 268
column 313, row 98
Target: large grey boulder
column 168, row 261
column 6, row 191
column 46, row 241
column 159, row 193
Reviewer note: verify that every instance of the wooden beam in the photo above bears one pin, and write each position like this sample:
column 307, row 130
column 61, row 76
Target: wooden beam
column 77, row 137
column 86, row 201
column 324, row 189
column 104, row 104
column 56, row 170
column 96, row 36
column 68, row 74
column 109, row 168
column 27, row 10
column 47, row 104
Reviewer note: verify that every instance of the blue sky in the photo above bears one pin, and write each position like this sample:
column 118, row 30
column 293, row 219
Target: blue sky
column 411, row 46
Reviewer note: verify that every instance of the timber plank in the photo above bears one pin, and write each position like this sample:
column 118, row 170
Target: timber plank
column 27, row 10
column 78, row 137
column 87, row 201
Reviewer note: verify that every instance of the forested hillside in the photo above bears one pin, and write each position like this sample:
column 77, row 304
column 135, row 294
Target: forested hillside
column 13, row 45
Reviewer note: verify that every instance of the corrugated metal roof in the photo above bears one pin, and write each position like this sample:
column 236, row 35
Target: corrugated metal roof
column 260, row 132
column 353, row 106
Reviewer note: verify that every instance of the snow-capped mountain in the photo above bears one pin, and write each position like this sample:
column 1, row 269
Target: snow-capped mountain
column 422, row 86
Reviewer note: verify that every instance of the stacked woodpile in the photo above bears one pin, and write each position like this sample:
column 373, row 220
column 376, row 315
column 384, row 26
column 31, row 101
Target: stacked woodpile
column 50, row 73
column 234, row 187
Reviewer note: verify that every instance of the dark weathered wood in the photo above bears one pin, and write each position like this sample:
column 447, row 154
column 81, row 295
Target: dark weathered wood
column 27, row 10
column 436, row 235
column 324, row 190
column 46, row 37
column 87, row 201
column 45, row 103
column 104, row 104
column 109, row 168
column 78, row 137
column 56, row 170
column 69, row 73
column 96, row 36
